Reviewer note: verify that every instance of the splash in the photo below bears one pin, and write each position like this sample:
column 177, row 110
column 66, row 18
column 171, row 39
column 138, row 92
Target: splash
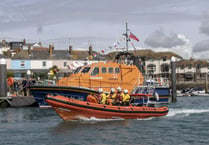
column 94, row 119
column 185, row 112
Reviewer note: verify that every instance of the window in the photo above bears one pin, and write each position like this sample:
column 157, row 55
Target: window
column 86, row 70
column 22, row 64
column 164, row 58
column 110, row 70
column 65, row 64
column 190, row 66
column 182, row 67
column 151, row 68
column 95, row 71
column 44, row 63
column 104, row 69
column 117, row 70
column 77, row 70
column 164, row 68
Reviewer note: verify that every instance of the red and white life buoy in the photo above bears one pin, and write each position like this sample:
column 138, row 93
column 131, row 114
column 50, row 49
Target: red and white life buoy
column 10, row 81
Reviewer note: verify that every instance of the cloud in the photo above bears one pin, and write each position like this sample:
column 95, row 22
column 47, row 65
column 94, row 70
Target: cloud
column 40, row 29
column 201, row 46
column 204, row 28
column 160, row 39
column 201, row 49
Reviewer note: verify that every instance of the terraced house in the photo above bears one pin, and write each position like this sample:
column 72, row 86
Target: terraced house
column 22, row 56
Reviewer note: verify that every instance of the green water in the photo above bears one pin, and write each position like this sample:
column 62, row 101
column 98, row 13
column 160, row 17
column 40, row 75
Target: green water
column 187, row 123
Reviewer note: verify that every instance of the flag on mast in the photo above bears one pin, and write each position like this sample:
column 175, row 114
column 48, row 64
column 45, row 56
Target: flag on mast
column 132, row 36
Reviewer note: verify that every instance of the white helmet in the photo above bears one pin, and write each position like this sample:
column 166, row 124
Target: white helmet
column 100, row 90
column 125, row 91
column 112, row 90
column 119, row 89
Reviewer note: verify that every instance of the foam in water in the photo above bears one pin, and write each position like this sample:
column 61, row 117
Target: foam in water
column 96, row 119
column 185, row 112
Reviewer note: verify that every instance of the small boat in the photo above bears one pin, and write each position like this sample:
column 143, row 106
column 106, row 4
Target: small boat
column 198, row 93
column 73, row 109
column 153, row 87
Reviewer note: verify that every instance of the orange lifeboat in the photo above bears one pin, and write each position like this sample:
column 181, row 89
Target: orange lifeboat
column 72, row 109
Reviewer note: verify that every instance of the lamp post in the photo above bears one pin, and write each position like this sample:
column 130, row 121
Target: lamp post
column 173, row 78
column 28, row 75
column 3, row 77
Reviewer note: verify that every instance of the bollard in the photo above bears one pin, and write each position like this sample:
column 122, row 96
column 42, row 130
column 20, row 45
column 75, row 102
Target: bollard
column 206, row 82
column 3, row 78
column 173, row 78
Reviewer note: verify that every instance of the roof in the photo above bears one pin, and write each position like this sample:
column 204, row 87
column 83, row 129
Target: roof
column 3, row 56
column 192, row 62
column 148, row 54
column 43, row 53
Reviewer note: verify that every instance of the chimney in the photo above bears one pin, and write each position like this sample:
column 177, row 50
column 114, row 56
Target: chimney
column 50, row 49
column 4, row 42
column 40, row 44
column 90, row 50
column 8, row 53
column 24, row 41
column 29, row 50
column 70, row 49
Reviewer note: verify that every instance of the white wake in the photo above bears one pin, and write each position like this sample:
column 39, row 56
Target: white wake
column 185, row 112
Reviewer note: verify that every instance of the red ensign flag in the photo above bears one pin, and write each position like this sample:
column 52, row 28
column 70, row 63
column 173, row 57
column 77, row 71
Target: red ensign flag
column 132, row 36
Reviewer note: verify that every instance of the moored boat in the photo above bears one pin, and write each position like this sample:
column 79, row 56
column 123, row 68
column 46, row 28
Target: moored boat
column 73, row 109
column 151, row 87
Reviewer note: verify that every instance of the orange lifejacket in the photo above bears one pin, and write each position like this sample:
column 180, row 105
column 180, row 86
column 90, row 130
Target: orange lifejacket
column 10, row 81
column 92, row 99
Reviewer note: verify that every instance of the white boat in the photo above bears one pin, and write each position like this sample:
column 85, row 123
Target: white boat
column 199, row 93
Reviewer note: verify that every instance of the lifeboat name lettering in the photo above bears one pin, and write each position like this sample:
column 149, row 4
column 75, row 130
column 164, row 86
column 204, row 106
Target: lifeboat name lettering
column 97, row 78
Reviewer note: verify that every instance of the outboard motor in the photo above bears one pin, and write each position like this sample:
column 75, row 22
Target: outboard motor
column 156, row 95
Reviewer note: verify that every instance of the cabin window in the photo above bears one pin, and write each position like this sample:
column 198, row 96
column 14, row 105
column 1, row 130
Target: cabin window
column 104, row 69
column 77, row 70
column 86, row 70
column 22, row 64
column 110, row 70
column 117, row 70
column 95, row 71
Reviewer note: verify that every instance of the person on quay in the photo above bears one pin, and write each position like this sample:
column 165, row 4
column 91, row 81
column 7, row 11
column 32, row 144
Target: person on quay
column 126, row 98
column 16, row 87
column 24, row 86
column 119, row 97
column 111, row 96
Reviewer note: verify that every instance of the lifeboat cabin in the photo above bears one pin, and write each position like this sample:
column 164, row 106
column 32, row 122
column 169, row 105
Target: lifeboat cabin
column 106, row 75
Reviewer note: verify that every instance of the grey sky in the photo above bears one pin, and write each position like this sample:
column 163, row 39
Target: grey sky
column 165, row 25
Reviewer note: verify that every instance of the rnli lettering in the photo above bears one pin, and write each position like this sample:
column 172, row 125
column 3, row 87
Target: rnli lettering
column 96, row 78
column 114, row 77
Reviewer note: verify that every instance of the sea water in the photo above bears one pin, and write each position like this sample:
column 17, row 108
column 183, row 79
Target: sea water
column 187, row 123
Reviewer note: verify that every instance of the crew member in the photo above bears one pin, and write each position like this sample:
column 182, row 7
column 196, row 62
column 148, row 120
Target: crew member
column 102, row 96
column 119, row 96
column 111, row 96
column 126, row 98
